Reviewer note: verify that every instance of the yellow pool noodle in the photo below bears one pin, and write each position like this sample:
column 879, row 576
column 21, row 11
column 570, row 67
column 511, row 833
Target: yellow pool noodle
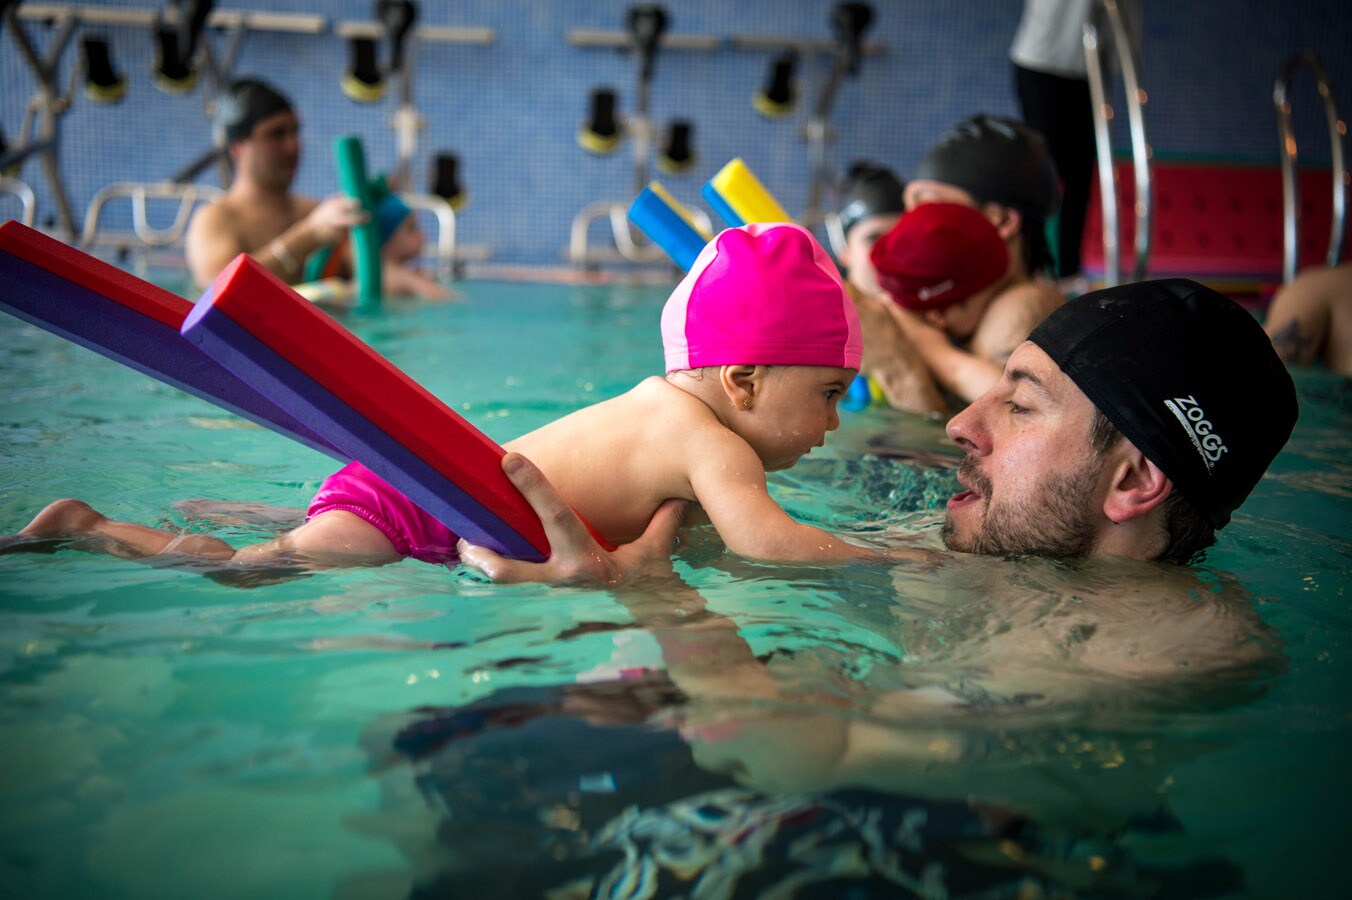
column 739, row 188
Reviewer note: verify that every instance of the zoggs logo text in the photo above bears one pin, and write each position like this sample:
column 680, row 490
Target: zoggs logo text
column 1199, row 429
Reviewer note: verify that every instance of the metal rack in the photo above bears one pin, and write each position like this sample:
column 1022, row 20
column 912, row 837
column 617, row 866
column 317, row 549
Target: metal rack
column 629, row 244
column 845, row 51
column 41, row 132
column 406, row 120
column 49, row 104
column 408, row 123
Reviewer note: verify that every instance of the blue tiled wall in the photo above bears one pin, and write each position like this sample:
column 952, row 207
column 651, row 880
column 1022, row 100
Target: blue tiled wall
column 510, row 109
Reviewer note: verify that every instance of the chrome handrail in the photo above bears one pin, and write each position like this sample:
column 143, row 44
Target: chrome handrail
column 46, row 107
column 1290, row 182
column 187, row 195
column 1107, row 11
column 445, row 216
column 627, row 248
column 618, row 216
column 28, row 203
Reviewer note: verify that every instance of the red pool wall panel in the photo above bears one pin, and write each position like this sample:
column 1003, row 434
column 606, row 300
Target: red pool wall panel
column 1217, row 221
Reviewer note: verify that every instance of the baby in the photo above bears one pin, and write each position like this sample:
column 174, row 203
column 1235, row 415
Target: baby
column 328, row 270
column 761, row 342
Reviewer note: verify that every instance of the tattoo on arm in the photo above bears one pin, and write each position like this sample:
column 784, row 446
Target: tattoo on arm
column 1292, row 345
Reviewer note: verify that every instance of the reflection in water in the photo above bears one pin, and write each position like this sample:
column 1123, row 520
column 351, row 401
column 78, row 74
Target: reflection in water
column 590, row 791
column 1011, row 747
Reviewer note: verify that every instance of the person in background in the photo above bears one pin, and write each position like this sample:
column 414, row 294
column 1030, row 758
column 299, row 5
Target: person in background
column 1310, row 319
column 1052, row 85
column 1000, row 168
column 872, row 202
column 328, row 271
column 260, row 214
column 1051, row 81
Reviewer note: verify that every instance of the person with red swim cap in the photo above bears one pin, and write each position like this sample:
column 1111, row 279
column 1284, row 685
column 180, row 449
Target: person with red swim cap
column 998, row 169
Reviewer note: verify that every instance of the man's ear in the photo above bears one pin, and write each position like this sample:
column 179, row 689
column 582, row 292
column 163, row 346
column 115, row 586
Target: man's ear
column 740, row 384
column 1138, row 487
column 1007, row 220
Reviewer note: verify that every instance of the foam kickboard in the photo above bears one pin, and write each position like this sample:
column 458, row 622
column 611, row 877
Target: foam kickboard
column 255, row 325
column 96, row 305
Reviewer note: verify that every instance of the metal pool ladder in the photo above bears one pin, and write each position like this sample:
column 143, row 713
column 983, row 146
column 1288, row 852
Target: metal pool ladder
column 1107, row 13
column 1290, row 182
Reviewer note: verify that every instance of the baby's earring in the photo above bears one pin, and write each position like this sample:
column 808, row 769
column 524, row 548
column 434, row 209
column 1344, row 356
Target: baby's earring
column 746, row 403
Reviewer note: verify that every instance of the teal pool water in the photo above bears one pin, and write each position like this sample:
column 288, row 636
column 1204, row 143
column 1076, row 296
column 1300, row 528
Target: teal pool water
column 411, row 731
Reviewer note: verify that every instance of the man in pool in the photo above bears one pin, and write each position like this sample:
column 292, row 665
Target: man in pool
column 259, row 214
column 1132, row 423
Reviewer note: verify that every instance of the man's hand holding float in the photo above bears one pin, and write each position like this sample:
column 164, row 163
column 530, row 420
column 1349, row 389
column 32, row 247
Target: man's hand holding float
column 575, row 556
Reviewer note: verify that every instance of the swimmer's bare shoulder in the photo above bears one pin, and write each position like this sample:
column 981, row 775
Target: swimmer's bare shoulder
column 617, row 460
column 1157, row 622
column 1011, row 317
column 1105, row 626
column 213, row 239
column 210, row 219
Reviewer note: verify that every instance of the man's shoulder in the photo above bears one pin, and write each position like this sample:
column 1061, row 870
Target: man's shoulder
column 1035, row 297
column 1013, row 314
column 218, row 211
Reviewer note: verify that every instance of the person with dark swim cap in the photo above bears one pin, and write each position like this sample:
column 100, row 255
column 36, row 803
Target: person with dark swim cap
column 872, row 200
column 259, row 214
column 1161, row 402
column 1000, row 168
column 996, row 162
column 248, row 102
column 1132, row 423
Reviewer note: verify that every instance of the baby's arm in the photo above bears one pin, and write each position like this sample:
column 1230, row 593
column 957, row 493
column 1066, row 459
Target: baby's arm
column 965, row 374
column 728, row 480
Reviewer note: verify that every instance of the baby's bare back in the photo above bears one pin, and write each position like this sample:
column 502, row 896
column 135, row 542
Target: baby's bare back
column 616, row 462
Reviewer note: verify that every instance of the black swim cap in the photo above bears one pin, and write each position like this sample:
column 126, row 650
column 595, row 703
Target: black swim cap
column 996, row 160
column 248, row 102
column 870, row 190
column 1187, row 375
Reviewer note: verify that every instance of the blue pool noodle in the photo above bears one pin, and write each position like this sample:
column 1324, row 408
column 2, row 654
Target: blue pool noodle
column 666, row 228
column 720, row 206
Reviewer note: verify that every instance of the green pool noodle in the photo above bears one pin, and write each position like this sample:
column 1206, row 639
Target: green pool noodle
column 351, row 159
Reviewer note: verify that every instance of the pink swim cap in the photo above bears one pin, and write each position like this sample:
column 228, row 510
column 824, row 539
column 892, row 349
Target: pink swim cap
column 762, row 294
